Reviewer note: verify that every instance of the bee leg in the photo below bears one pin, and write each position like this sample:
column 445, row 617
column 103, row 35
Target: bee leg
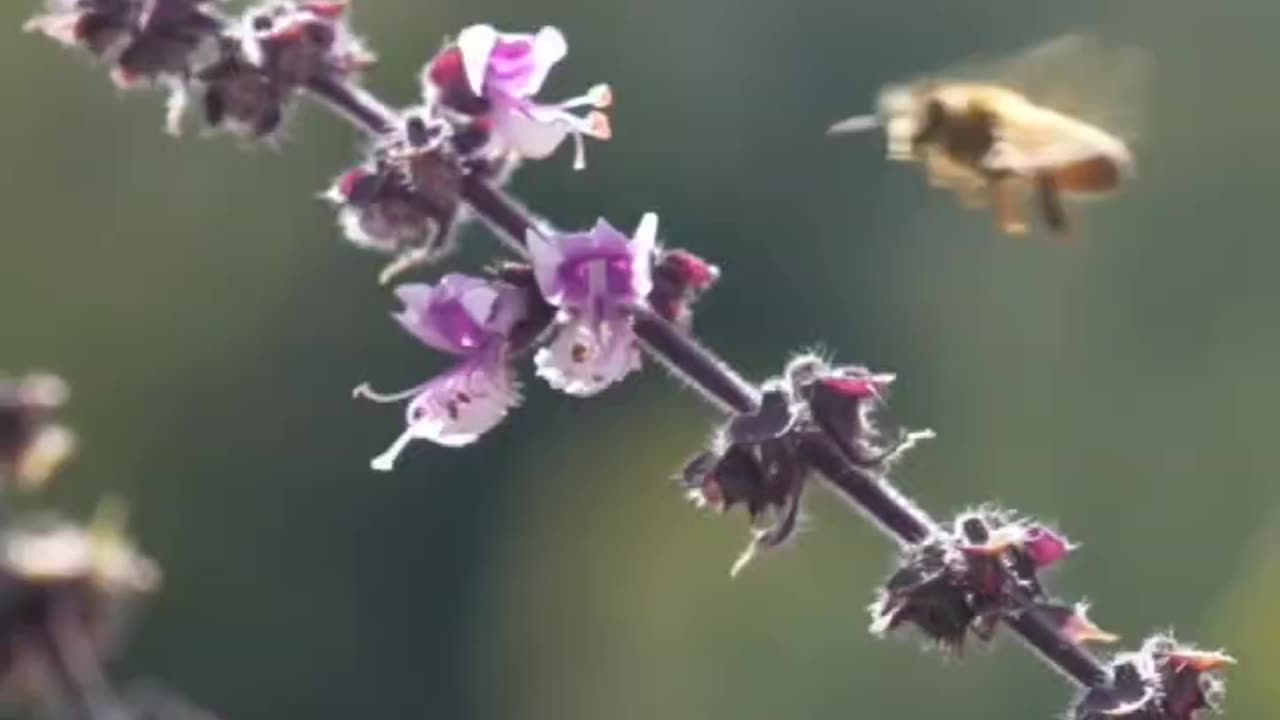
column 1049, row 196
column 1005, row 201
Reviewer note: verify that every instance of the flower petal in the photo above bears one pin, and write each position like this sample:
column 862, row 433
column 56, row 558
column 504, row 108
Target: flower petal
column 476, row 43
column 643, row 245
column 583, row 360
column 547, row 257
column 458, row 407
column 532, row 135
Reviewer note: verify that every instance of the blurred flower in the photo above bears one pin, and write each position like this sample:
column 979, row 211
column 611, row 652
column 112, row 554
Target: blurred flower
column 68, row 590
column 1162, row 681
column 595, row 279
column 147, row 41
column 274, row 49
column 472, row 319
column 491, row 78
column 32, row 446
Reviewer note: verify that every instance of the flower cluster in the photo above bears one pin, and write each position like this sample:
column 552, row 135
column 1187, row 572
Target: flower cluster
column 969, row 579
column 32, row 445
column 479, row 119
column 1162, row 681
column 759, row 459
column 593, row 280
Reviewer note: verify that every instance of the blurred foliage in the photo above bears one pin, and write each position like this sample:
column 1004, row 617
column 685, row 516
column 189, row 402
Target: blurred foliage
column 212, row 324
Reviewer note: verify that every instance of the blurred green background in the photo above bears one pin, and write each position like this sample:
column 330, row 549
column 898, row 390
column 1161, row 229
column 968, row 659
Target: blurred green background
column 213, row 323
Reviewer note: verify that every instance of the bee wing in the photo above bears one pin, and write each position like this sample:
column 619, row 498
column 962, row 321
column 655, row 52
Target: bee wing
column 1074, row 74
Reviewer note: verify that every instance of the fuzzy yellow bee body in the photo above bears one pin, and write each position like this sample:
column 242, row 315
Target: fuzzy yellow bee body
column 993, row 145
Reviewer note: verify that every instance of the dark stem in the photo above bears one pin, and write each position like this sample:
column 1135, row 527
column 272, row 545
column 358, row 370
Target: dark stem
column 880, row 501
column 681, row 353
column 1041, row 634
column 353, row 103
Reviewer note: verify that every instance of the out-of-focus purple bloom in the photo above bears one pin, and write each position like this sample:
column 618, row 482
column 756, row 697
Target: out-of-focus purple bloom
column 595, row 279
column 274, row 49
column 491, row 78
column 471, row 318
column 1162, row 681
column 32, row 446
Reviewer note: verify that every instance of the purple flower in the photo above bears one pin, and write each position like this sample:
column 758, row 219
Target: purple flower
column 472, row 319
column 491, row 78
column 595, row 279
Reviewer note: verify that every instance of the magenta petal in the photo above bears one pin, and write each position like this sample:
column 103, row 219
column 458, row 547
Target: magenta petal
column 454, row 316
column 1045, row 547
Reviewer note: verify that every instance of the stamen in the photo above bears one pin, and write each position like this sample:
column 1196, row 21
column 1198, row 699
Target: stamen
column 387, row 460
column 365, row 392
column 748, row 554
column 598, row 96
column 579, row 152
column 175, row 108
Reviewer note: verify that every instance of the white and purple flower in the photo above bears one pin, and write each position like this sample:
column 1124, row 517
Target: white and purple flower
column 471, row 318
column 595, row 279
column 492, row 77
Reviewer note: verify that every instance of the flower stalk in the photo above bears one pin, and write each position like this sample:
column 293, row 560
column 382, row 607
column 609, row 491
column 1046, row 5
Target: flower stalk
column 592, row 300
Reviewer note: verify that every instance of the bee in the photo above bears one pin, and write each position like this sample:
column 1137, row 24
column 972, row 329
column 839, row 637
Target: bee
column 1007, row 134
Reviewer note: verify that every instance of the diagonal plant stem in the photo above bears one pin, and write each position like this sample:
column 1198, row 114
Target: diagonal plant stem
column 726, row 388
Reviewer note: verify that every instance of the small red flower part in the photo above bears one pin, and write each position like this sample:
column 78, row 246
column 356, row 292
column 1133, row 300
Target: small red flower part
column 679, row 279
column 32, row 445
column 1162, row 681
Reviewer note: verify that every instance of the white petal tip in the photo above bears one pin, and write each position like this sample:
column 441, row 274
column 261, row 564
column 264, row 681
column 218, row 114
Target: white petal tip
column 382, row 463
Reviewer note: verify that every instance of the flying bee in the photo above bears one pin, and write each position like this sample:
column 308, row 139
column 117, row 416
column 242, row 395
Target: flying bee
column 1008, row 134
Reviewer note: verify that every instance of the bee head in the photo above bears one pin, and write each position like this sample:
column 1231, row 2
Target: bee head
column 912, row 116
